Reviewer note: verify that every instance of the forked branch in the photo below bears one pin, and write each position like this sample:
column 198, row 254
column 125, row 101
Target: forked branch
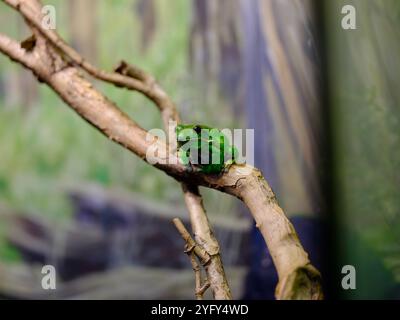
column 194, row 251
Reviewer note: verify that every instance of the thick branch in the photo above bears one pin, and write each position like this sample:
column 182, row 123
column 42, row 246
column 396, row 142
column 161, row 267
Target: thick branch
column 298, row 279
column 13, row 50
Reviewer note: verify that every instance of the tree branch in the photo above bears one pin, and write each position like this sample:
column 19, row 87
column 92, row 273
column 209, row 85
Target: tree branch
column 53, row 65
column 15, row 52
column 193, row 250
column 191, row 245
column 131, row 78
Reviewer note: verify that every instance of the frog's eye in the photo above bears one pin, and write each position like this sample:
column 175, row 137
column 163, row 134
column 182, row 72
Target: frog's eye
column 178, row 128
column 186, row 134
column 197, row 129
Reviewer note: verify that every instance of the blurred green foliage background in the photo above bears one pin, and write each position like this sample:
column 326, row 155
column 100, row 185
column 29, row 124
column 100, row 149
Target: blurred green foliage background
column 364, row 76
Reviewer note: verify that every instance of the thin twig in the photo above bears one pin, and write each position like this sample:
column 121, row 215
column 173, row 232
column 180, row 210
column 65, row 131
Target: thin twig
column 192, row 246
column 194, row 251
column 200, row 292
column 197, row 276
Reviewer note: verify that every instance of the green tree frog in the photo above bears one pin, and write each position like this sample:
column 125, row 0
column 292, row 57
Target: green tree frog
column 205, row 148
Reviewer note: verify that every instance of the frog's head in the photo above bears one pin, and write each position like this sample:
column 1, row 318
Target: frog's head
column 185, row 132
column 179, row 128
column 196, row 127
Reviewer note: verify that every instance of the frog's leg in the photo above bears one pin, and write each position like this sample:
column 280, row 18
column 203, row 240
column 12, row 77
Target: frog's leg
column 231, row 155
column 228, row 164
column 234, row 153
column 185, row 159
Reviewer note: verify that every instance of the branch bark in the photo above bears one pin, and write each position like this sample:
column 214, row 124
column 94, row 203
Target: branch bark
column 53, row 63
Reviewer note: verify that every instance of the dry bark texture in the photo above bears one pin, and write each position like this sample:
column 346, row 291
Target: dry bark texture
column 59, row 66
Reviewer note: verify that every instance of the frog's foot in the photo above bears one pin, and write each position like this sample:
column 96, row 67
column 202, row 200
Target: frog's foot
column 188, row 168
column 228, row 164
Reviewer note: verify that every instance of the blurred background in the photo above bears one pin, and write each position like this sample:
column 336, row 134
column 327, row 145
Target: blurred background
column 325, row 108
